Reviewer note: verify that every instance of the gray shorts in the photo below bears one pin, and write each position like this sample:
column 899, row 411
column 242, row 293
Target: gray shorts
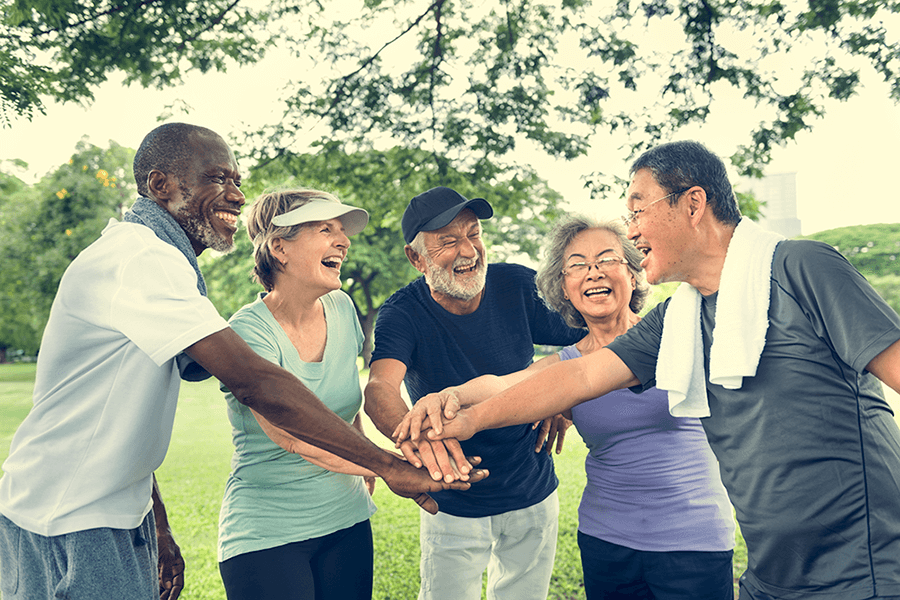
column 100, row 564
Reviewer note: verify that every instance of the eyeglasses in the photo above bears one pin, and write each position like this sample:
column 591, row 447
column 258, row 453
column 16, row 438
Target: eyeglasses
column 604, row 265
column 632, row 217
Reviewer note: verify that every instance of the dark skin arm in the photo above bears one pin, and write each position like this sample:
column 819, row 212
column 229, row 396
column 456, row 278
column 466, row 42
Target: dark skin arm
column 288, row 404
column 171, row 563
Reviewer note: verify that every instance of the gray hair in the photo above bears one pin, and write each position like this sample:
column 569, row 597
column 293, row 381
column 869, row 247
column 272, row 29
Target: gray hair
column 681, row 165
column 549, row 277
column 263, row 232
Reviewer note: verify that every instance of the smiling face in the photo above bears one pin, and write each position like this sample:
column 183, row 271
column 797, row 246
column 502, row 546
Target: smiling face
column 660, row 231
column 454, row 262
column 314, row 256
column 206, row 200
column 598, row 293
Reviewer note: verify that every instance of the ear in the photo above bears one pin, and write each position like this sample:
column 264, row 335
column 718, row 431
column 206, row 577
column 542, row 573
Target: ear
column 415, row 259
column 161, row 186
column 276, row 247
column 697, row 204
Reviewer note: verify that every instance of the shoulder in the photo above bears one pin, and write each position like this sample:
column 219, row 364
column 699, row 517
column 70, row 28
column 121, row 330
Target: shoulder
column 409, row 298
column 805, row 250
column 250, row 316
column 510, row 278
column 340, row 300
column 811, row 256
column 511, row 271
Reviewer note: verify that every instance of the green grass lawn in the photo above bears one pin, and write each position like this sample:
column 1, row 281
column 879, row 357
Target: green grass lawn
column 192, row 480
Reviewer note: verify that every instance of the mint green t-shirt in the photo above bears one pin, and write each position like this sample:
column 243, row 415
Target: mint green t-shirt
column 273, row 497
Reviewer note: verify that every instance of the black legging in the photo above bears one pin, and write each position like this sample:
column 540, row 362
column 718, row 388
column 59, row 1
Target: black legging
column 333, row 567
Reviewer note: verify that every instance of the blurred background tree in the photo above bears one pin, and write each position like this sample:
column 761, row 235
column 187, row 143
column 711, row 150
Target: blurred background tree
column 43, row 228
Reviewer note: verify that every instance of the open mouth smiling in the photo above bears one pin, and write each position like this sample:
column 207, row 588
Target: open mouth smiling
column 462, row 270
column 333, row 262
column 597, row 291
column 226, row 217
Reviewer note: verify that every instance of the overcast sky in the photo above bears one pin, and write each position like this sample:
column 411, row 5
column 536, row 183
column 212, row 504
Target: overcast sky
column 843, row 166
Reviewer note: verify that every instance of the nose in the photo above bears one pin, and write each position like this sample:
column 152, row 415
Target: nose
column 632, row 231
column 234, row 194
column 467, row 248
column 599, row 272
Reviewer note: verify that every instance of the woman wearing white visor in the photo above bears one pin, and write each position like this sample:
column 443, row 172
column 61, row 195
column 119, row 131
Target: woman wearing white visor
column 294, row 522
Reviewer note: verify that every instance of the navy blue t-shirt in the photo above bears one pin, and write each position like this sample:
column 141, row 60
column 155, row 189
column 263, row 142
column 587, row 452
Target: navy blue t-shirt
column 441, row 349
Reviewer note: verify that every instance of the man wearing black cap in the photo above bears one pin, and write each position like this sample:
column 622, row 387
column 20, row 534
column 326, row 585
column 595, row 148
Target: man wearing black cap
column 461, row 320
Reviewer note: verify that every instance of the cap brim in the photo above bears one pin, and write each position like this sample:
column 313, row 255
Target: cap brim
column 479, row 206
column 354, row 219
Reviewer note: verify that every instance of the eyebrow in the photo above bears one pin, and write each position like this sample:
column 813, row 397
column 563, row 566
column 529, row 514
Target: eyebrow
column 601, row 253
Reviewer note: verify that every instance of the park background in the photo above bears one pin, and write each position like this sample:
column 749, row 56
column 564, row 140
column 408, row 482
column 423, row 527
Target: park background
column 823, row 108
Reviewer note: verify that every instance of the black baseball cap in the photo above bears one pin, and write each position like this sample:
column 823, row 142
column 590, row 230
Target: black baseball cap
column 436, row 208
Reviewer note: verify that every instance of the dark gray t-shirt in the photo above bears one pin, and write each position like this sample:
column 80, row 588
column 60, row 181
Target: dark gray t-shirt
column 808, row 448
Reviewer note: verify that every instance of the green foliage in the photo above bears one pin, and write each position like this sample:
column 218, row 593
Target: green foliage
column 875, row 252
column 44, row 227
column 873, row 249
column 472, row 81
column 62, row 49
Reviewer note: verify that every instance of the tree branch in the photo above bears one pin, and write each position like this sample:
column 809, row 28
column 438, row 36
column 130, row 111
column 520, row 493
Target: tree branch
column 342, row 83
column 94, row 17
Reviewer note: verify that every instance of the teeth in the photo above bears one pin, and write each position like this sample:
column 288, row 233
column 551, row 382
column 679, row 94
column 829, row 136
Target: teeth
column 594, row 291
column 227, row 217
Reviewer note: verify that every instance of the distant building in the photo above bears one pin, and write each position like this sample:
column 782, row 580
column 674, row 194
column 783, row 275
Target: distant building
column 779, row 192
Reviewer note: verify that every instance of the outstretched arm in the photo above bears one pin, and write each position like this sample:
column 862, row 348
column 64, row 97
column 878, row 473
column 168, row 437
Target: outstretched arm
column 549, row 392
column 317, row 456
column 430, row 410
column 287, row 404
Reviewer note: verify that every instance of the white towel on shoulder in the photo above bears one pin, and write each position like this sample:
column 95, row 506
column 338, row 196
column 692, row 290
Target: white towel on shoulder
column 739, row 335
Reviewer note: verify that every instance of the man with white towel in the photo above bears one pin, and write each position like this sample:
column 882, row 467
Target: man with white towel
column 778, row 345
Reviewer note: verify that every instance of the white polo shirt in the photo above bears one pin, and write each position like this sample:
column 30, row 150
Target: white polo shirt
column 106, row 386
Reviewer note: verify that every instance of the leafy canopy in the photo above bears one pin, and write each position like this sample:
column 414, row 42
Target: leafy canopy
column 473, row 80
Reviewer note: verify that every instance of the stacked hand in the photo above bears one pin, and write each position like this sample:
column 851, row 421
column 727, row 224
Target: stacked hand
column 438, row 417
column 408, row 481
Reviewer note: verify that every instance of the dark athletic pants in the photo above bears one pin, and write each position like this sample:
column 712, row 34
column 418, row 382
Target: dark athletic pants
column 337, row 566
column 613, row 572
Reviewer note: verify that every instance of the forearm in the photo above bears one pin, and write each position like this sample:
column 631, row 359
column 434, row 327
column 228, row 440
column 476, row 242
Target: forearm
column 554, row 390
column 384, row 406
column 159, row 510
column 287, row 404
column 481, row 388
column 316, row 456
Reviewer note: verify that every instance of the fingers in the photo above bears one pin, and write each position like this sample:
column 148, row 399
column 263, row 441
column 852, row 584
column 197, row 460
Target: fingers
column 438, row 461
column 410, row 454
column 543, row 434
column 475, row 476
column 426, row 503
column 560, row 438
column 451, row 407
column 434, row 419
column 457, row 454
